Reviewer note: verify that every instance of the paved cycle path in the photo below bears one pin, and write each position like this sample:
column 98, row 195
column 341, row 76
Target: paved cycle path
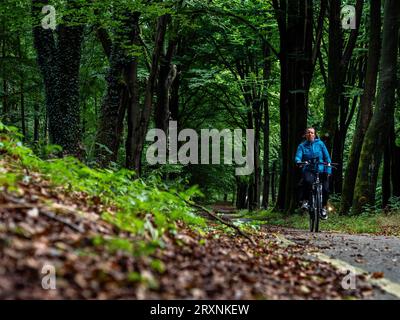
column 376, row 256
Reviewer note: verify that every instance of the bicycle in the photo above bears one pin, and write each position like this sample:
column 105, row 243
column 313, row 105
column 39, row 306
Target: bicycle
column 315, row 204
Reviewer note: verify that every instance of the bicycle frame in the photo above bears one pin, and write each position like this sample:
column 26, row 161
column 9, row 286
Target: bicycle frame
column 315, row 204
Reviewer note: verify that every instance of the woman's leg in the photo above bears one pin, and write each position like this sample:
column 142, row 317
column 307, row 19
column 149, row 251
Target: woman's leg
column 325, row 189
column 308, row 178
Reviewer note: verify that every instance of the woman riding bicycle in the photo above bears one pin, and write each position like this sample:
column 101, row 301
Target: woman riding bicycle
column 310, row 149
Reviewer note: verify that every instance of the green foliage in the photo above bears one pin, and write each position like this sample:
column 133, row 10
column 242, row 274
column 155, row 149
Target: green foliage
column 142, row 206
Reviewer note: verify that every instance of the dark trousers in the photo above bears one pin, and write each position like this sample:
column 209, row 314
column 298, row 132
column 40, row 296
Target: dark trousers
column 305, row 185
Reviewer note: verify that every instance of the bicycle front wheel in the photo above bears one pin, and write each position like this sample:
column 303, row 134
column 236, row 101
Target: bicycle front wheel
column 318, row 207
column 311, row 212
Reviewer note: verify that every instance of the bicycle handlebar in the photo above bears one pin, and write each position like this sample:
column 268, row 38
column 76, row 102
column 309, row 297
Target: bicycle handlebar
column 325, row 164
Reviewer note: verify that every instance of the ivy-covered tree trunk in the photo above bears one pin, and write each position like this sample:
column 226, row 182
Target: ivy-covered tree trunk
column 381, row 121
column 365, row 111
column 67, row 99
column 59, row 60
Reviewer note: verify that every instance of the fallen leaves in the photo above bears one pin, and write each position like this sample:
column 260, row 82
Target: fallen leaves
column 42, row 225
column 377, row 275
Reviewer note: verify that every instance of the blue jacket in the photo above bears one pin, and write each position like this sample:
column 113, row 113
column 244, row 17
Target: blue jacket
column 308, row 150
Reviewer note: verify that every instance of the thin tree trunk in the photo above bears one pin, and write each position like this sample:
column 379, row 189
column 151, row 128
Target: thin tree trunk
column 273, row 182
column 257, row 166
column 4, row 76
column 280, row 13
column 36, row 123
column 386, row 189
column 266, row 176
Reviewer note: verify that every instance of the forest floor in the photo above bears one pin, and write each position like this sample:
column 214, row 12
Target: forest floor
column 41, row 226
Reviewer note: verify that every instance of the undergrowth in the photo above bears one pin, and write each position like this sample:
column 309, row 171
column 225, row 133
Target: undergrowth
column 142, row 206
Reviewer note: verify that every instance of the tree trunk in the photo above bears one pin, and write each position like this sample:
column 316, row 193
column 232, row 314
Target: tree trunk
column 299, row 46
column 141, row 118
column 241, row 193
column 338, row 63
column 386, row 189
column 67, row 100
column 266, row 176
column 365, row 112
column 296, row 71
column 395, row 164
column 118, row 96
column 280, row 13
column 382, row 119
column 257, row 150
column 5, row 110
column 336, row 75
column 273, row 184
column 36, row 128
column 166, row 77
column 59, row 65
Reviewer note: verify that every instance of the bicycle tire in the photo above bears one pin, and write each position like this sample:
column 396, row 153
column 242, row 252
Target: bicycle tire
column 318, row 207
column 311, row 212
column 311, row 218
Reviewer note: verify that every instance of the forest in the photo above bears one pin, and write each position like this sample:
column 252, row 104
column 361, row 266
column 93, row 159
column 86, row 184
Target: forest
column 86, row 86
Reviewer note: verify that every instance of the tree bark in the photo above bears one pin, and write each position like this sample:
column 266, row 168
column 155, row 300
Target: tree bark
column 395, row 164
column 299, row 47
column 59, row 64
column 297, row 65
column 378, row 129
column 365, row 112
column 338, row 62
column 266, row 175
column 140, row 120
column 118, row 96
column 36, row 124
column 166, row 76
column 386, row 189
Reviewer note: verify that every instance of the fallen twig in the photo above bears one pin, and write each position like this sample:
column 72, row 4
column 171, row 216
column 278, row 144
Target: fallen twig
column 227, row 223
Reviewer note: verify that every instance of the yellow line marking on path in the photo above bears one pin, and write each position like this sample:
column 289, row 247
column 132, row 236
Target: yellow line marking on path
column 385, row 284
